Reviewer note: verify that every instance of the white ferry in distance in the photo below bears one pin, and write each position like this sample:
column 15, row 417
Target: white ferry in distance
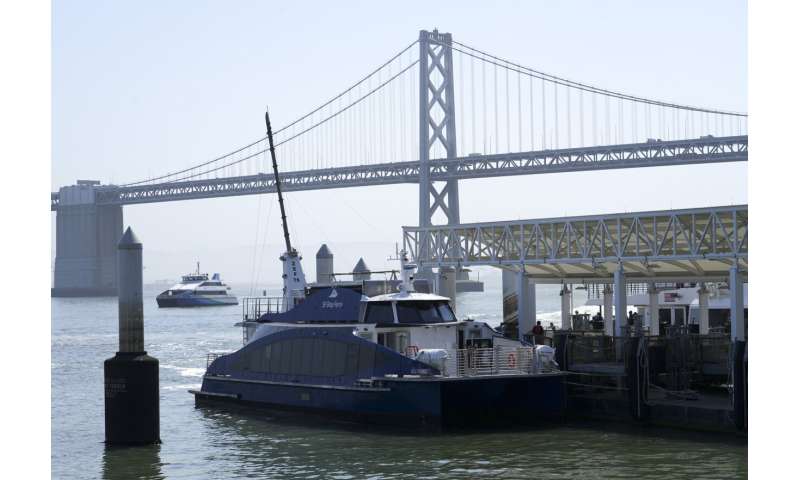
column 196, row 290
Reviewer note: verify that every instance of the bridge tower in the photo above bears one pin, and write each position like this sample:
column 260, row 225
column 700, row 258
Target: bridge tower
column 437, row 129
column 437, row 125
column 86, row 239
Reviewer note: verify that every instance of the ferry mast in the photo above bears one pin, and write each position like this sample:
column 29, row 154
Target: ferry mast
column 294, row 280
column 286, row 238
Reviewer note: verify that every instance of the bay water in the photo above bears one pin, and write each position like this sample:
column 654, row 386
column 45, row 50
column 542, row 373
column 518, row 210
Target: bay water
column 240, row 443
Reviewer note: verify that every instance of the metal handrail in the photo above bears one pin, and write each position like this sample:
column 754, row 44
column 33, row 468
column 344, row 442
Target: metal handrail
column 472, row 362
column 254, row 307
column 210, row 357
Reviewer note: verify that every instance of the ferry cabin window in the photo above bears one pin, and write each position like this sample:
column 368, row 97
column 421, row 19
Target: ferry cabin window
column 446, row 312
column 379, row 312
column 424, row 312
column 316, row 357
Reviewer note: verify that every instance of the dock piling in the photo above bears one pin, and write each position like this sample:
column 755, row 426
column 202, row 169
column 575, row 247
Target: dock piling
column 131, row 376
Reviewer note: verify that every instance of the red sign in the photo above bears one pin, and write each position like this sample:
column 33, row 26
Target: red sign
column 671, row 297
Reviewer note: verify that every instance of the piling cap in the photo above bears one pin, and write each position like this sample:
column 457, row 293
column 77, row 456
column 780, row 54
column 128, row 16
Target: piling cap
column 361, row 266
column 129, row 241
column 324, row 252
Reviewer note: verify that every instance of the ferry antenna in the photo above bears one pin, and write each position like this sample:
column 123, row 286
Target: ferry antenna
column 289, row 249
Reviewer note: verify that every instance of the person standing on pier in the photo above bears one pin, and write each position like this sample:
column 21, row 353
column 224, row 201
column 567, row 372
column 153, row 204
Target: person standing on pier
column 538, row 333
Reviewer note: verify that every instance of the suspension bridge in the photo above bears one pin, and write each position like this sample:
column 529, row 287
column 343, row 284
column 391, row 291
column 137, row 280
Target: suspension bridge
column 397, row 124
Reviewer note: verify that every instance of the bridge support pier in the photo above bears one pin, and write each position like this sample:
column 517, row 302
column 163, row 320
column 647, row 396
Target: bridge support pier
column 86, row 245
column 446, row 284
column 526, row 304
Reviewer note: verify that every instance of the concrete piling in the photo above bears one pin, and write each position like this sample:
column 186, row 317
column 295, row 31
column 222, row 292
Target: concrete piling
column 131, row 376
column 446, row 284
column 526, row 304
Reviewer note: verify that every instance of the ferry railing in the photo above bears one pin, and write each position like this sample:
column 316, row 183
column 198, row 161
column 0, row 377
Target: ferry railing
column 210, row 357
column 472, row 362
column 254, row 307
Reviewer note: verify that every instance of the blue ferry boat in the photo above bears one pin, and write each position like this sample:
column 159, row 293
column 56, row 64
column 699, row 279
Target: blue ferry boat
column 197, row 290
column 397, row 358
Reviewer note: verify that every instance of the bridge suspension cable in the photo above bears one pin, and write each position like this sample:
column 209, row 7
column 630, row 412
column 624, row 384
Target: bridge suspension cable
column 541, row 111
column 217, row 162
column 500, row 107
column 487, row 57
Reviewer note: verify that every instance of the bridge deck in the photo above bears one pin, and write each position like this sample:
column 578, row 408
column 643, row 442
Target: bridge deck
column 651, row 154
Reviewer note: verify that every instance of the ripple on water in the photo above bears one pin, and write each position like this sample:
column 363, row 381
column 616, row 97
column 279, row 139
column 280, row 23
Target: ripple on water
column 218, row 443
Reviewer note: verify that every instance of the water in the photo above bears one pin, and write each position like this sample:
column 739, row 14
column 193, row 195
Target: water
column 212, row 443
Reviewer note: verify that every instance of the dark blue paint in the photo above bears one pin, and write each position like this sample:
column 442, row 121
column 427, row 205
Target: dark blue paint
column 332, row 305
column 426, row 400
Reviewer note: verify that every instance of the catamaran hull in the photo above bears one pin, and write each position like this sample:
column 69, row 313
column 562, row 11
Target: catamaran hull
column 438, row 403
column 194, row 301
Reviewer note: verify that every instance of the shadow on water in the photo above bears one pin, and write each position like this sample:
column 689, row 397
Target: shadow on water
column 296, row 445
column 140, row 462
column 302, row 419
column 254, row 416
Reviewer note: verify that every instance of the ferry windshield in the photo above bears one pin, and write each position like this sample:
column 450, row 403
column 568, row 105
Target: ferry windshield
column 424, row 312
column 379, row 312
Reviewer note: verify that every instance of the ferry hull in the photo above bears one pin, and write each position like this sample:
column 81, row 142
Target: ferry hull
column 194, row 301
column 437, row 403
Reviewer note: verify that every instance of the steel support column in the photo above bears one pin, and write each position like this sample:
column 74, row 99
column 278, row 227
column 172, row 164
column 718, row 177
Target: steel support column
column 566, row 305
column 525, row 309
column 532, row 300
column 652, row 295
column 620, row 301
column 702, row 303
column 737, row 305
column 608, row 314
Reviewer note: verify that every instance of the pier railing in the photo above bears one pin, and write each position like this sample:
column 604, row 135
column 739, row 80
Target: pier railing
column 678, row 366
column 594, row 291
column 688, row 361
column 595, row 349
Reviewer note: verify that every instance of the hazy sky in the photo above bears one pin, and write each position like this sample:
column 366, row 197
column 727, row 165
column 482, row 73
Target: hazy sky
column 145, row 87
